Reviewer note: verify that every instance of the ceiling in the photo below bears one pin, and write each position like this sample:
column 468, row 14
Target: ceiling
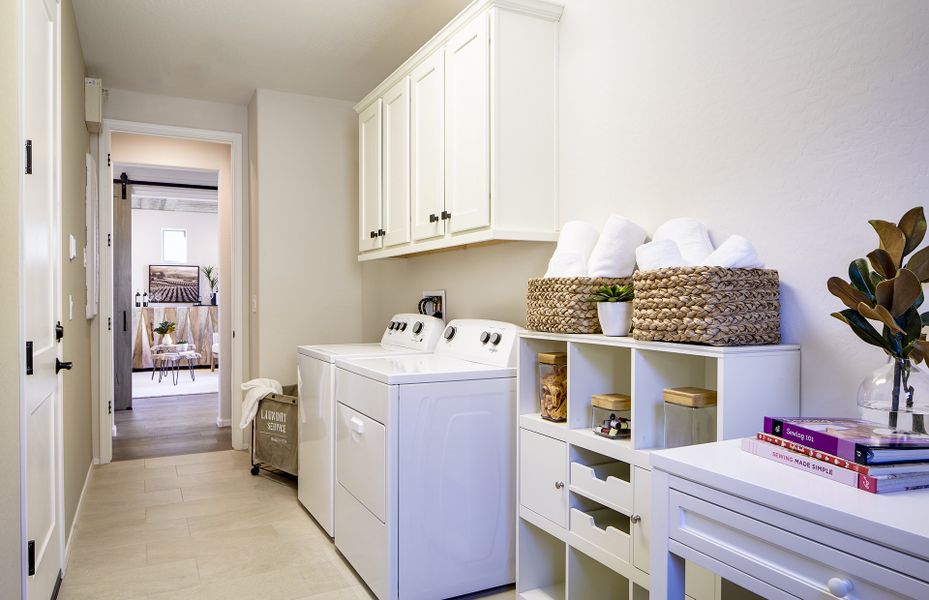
column 222, row 50
column 152, row 197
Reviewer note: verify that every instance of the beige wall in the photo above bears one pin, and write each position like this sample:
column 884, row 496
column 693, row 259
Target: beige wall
column 154, row 150
column 11, row 548
column 791, row 123
column 305, row 278
column 77, row 391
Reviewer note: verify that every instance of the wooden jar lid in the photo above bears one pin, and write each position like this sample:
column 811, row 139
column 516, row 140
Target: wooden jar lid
column 611, row 401
column 553, row 358
column 690, row 396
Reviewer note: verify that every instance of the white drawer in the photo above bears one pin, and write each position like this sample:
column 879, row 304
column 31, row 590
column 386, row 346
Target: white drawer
column 361, row 452
column 363, row 541
column 605, row 529
column 543, row 465
column 606, row 483
column 799, row 565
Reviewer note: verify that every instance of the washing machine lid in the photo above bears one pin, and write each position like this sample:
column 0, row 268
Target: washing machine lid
column 330, row 352
column 422, row 368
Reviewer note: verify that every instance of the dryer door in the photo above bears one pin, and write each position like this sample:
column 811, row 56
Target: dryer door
column 362, row 464
column 457, row 501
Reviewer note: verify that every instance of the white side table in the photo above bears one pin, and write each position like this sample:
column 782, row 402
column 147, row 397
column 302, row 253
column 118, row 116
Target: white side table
column 780, row 532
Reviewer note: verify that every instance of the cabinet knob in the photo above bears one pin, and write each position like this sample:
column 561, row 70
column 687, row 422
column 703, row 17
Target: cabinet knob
column 446, row 215
column 381, row 233
column 635, row 519
column 433, row 218
column 373, row 234
column 559, row 485
column 839, row 587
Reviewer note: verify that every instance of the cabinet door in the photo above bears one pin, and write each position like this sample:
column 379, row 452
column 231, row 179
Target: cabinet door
column 369, row 177
column 543, row 472
column 427, row 147
column 396, row 186
column 467, row 126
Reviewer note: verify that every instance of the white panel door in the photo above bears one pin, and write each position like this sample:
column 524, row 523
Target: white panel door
column 369, row 178
column 467, row 127
column 427, row 147
column 396, row 183
column 41, row 275
column 543, row 471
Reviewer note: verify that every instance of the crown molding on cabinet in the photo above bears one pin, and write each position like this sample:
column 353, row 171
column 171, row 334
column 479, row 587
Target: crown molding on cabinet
column 537, row 8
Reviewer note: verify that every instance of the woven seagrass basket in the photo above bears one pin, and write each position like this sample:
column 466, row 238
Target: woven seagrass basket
column 707, row 305
column 562, row 304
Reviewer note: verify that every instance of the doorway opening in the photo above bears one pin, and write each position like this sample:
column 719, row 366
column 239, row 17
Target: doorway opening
column 174, row 273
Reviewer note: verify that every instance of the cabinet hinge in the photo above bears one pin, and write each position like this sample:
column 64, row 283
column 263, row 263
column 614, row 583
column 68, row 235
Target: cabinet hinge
column 108, row 163
column 109, row 240
column 30, row 554
column 28, row 157
column 29, row 368
column 109, row 407
column 109, row 324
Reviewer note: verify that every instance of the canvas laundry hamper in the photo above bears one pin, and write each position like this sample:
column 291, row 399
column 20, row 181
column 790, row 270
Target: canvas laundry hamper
column 274, row 432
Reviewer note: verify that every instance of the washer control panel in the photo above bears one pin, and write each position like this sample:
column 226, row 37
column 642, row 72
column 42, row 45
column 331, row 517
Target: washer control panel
column 411, row 330
column 481, row 341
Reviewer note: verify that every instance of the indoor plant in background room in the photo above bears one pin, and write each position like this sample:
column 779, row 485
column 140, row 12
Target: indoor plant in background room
column 211, row 276
column 614, row 308
column 886, row 290
column 165, row 329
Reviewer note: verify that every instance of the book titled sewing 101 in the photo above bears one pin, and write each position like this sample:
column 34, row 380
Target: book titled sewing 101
column 863, row 442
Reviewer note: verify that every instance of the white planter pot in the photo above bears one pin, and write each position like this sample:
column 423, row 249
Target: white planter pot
column 615, row 317
column 167, row 341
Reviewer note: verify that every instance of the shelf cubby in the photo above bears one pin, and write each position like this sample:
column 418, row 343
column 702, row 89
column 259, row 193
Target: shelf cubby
column 588, row 578
column 540, row 565
column 595, row 369
column 528, row 387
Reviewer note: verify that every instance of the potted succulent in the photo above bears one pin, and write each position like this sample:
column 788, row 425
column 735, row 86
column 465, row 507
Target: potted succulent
column 614, row 308
column 884, row 290
column 209, row 271
column 165, row 329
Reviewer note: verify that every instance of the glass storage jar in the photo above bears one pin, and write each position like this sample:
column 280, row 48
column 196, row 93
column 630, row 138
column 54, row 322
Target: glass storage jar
column 689, row 416
column 553, row 385
column 611, row 415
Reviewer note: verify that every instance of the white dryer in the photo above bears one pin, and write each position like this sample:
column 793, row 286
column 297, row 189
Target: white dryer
column 404, row 334
column 425, row 493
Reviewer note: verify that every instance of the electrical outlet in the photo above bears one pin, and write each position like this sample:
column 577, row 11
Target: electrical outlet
column 434, row 303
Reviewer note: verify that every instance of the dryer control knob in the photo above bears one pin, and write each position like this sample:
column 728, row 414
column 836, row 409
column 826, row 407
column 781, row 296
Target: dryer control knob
column 495, row 339
column 392, row 325
column 449, row 332
column 485, row 337
column 402, row 325
column 417, row 327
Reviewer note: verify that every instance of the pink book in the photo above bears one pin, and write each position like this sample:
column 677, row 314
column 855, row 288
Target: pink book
column 799, row 461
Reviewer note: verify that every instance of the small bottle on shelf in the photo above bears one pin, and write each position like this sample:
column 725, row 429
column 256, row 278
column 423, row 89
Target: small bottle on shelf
column 138, row 299
column 144, row 298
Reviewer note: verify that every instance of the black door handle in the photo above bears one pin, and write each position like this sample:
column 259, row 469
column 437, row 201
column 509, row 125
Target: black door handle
column 446, row 215
column 433, row 218
column 59, row 366
column 373, row 234
column 381, row 233
column 124, row 321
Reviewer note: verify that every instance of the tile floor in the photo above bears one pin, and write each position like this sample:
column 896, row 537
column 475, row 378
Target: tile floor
column 201, row 527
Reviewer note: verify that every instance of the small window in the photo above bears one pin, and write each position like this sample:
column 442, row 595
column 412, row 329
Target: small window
column 174, row 245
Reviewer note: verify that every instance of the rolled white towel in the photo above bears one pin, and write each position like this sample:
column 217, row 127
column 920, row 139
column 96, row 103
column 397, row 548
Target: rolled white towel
column 736, row 252
column 691, row 236
column 614, row 253
column 659, row 254
column 255, row 390
column 575, row 242
column 567, row 264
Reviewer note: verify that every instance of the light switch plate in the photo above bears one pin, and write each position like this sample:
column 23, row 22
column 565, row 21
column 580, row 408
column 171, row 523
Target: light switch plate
column 72, row 247
column 70, row 307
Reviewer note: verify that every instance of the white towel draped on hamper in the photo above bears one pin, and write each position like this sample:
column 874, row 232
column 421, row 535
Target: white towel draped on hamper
column 255, row 390
column 614, row 253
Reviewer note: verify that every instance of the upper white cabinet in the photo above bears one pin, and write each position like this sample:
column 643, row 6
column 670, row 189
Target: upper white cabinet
column 477, row 160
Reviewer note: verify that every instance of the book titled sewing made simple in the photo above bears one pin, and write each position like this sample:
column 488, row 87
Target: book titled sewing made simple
column 799, row 461
column 863, row 442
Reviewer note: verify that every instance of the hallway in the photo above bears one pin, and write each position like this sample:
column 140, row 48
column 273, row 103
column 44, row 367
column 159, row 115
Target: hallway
column 199, row 527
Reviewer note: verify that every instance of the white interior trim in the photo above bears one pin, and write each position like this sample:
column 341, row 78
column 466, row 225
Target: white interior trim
column 77, row 515
column 103, row 445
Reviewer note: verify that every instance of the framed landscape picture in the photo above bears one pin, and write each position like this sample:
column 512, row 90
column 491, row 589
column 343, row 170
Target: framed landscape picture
column 174, row 284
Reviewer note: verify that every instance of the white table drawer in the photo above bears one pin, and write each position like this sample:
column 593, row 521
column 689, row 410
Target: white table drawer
column 543, row 463
column 605, row 529
column 773, row 553
column 606, row 483
column 361, row 452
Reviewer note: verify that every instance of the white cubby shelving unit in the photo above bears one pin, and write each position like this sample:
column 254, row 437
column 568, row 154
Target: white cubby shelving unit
column 584, row 500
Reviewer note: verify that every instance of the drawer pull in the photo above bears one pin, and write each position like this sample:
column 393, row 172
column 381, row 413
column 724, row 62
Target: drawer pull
column 559, row 485
column 635, row 519
column 839, row 587
column 358, row 425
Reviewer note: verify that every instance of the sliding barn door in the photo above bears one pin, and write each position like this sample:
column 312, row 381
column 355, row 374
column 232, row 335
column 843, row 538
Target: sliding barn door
column 123, row 299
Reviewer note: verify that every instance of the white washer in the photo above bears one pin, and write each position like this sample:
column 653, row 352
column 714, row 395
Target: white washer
column 425, row 492
column 404, row 334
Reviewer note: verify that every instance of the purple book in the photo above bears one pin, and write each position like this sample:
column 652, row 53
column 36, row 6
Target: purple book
column 863, row 442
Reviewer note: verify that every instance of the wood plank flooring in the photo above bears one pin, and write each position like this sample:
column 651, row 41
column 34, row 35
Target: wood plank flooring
column 169, row 426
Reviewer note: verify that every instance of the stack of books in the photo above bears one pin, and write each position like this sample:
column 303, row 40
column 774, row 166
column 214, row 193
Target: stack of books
column 862, row 454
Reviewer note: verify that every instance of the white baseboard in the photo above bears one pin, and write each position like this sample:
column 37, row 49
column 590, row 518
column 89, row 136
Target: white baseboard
column 223, row 422
column 77, row 515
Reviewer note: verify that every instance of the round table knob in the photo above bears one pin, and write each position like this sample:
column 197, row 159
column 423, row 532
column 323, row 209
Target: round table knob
column 635, row 518
column 559, row 485
column 839, row 587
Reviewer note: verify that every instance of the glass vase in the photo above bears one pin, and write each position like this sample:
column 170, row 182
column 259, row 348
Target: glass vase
column 896, row 394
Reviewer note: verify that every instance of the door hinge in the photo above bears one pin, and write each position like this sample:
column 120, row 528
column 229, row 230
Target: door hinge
column 109, row 324
column 233, row 334
column 29, row 358
column 30, row 552
column 28, row 157
column 108, row 163
column 109, row 407
column 109, row 240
